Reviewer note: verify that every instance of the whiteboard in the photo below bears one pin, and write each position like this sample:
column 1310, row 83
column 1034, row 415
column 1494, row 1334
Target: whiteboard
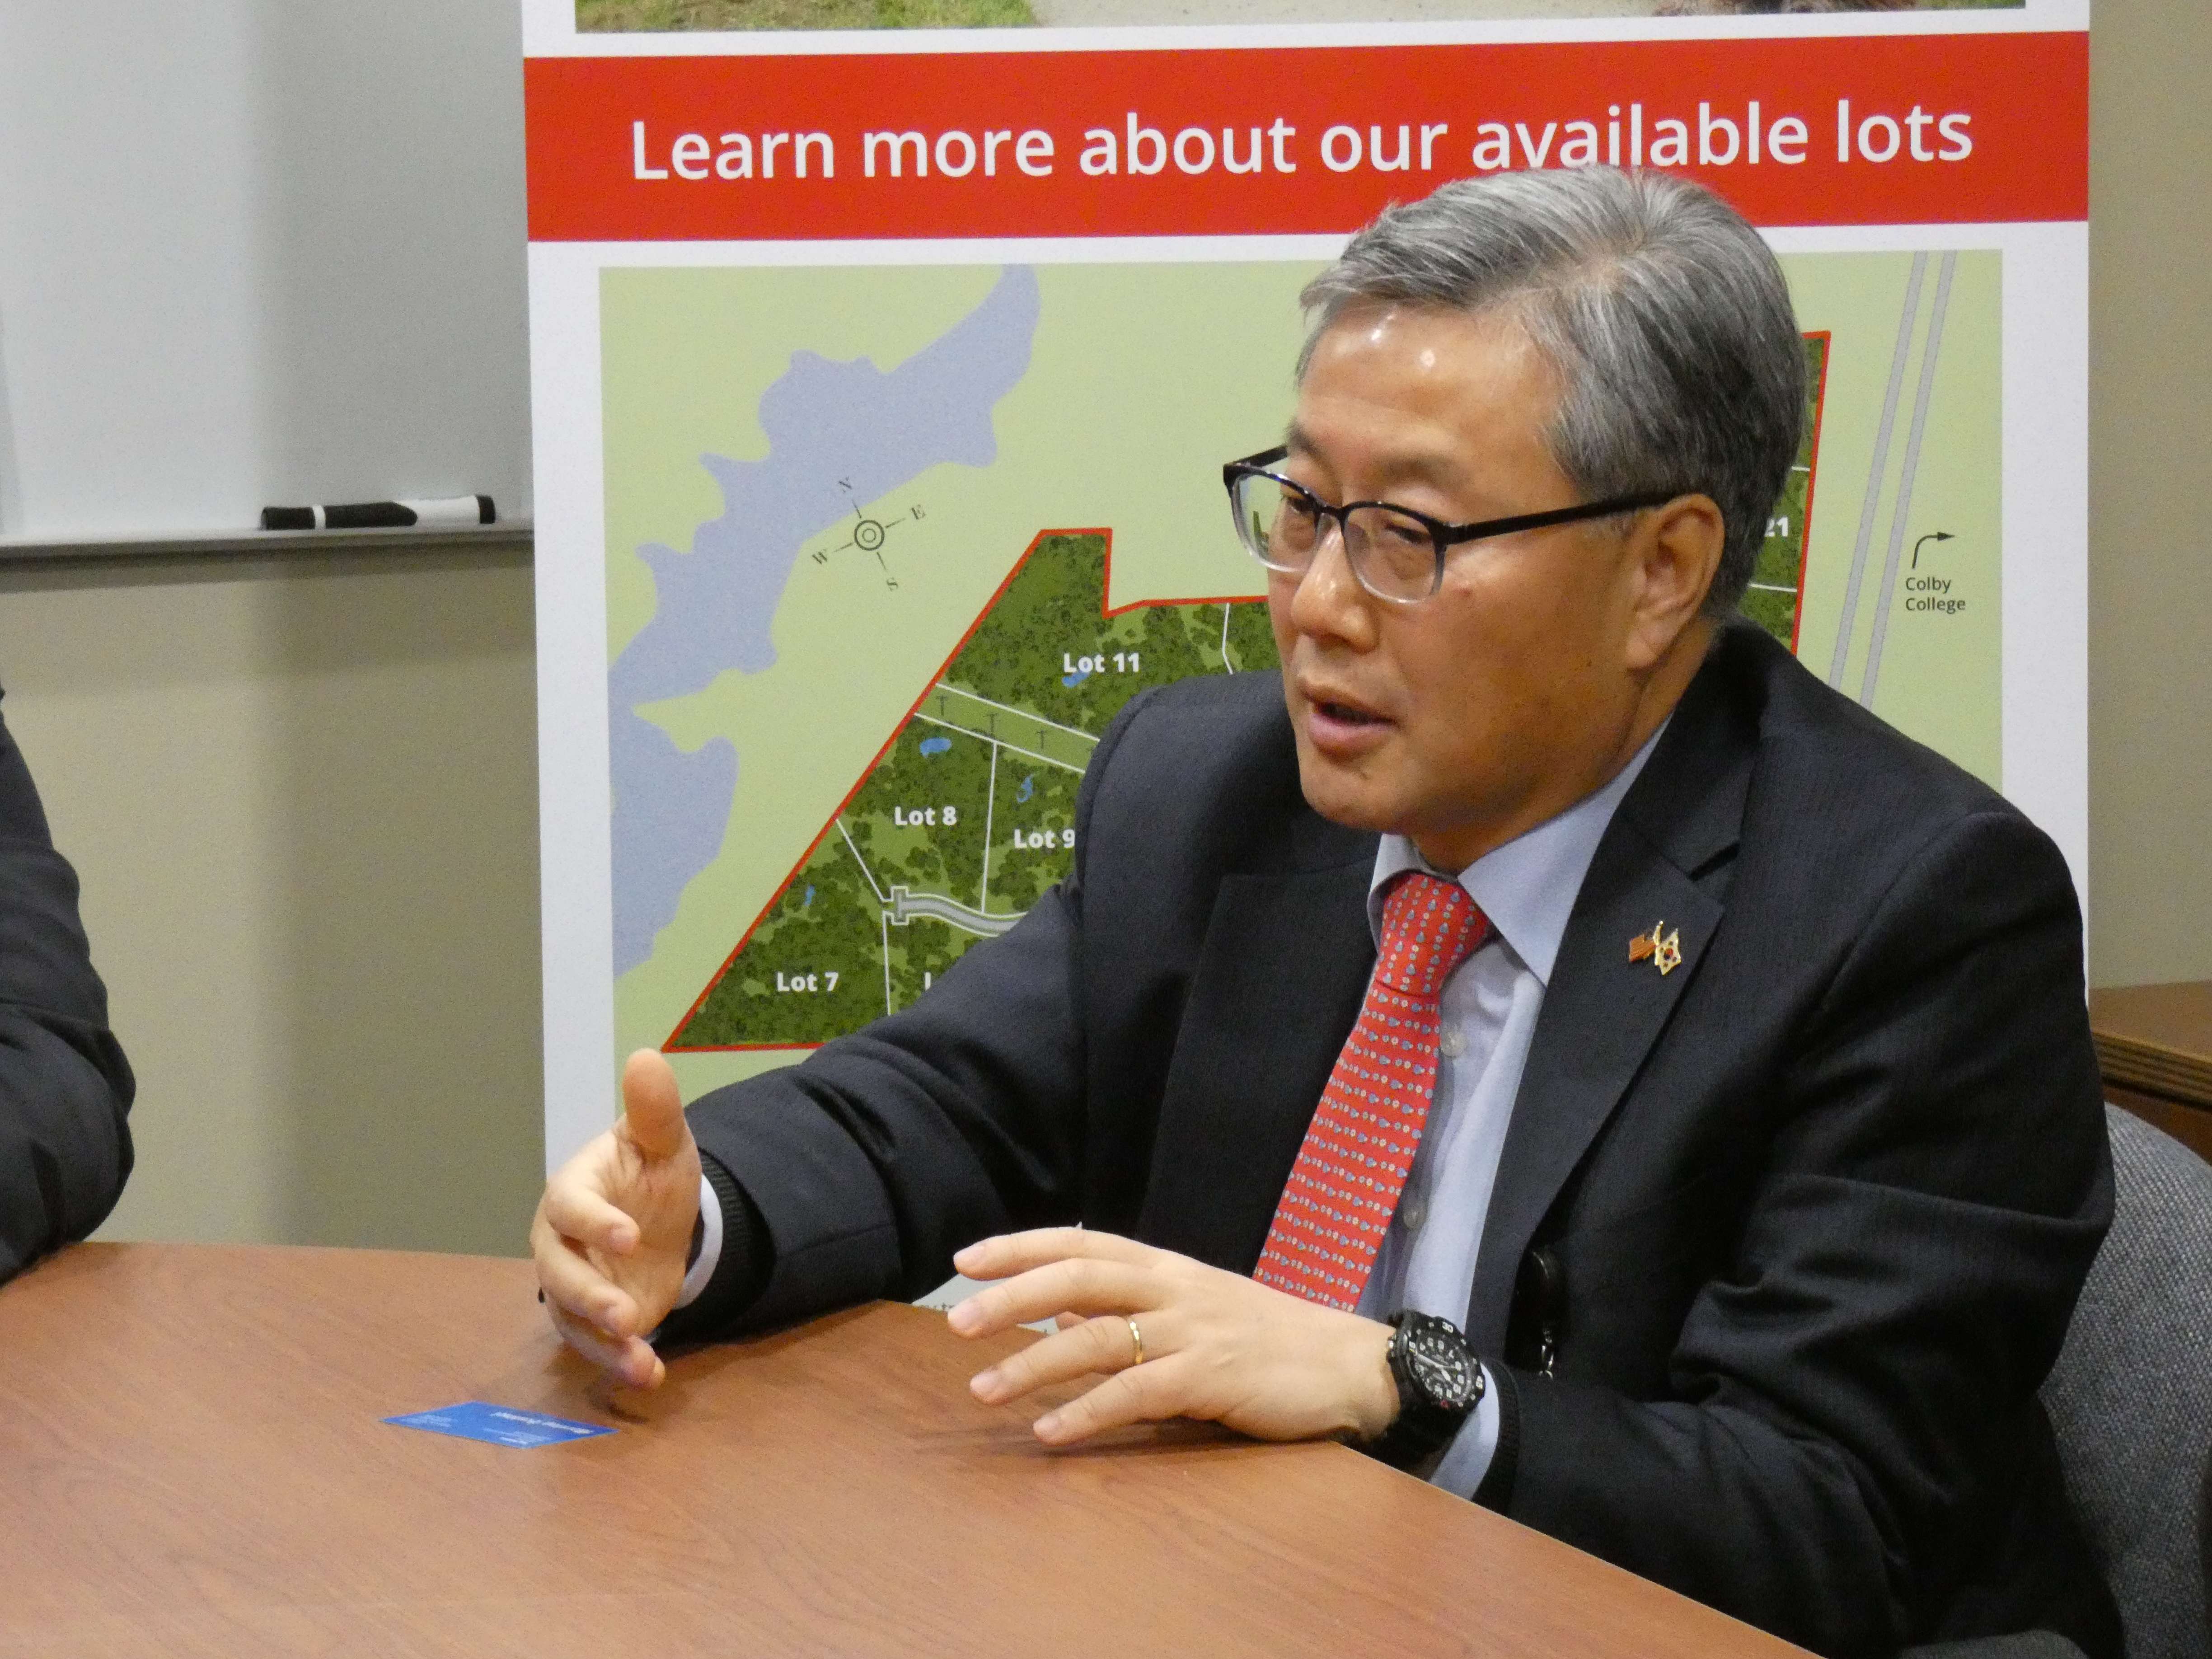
column 256, row 251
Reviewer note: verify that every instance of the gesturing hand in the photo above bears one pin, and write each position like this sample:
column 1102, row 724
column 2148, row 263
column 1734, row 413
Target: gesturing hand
column 613, row 1231
column 1216, row 1344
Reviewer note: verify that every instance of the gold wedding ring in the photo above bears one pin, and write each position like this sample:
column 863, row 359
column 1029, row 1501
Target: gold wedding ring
column 1136, row 1341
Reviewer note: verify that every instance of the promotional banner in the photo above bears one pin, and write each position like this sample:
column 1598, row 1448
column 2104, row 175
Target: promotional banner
column 883, row 380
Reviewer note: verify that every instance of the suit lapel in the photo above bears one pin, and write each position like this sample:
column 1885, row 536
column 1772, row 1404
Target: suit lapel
column 1277, row 986
column 1603, row 1009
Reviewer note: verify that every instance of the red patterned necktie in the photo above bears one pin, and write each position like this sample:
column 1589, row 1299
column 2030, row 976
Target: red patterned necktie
column 1344, row 1188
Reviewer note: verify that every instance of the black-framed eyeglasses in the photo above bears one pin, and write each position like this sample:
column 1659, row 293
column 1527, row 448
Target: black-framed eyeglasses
column 1395, row 553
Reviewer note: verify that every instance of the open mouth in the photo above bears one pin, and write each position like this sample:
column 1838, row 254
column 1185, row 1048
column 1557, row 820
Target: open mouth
column 1341, row 728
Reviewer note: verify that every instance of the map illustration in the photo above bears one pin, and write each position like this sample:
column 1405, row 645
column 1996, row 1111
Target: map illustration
column 969, row 815
column 842, row 432
column 889, row 547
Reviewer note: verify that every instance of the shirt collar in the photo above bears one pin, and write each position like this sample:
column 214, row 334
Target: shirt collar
column 1527, row 887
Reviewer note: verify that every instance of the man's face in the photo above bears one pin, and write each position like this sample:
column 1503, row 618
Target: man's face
column 1504, row 697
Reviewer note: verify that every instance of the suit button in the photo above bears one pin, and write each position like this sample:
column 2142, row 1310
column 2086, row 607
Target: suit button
column 1413, row 1211
column 1452, row 1042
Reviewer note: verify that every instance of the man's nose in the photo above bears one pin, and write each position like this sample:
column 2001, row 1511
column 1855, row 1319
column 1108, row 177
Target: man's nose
column 1328, row 602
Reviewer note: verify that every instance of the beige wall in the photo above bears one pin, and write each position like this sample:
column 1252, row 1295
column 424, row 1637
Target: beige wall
column 302, row 799
column 2150, row 494
column 302, row 796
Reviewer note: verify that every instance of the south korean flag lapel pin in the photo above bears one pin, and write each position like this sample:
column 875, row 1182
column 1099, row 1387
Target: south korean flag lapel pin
column 1659, row 947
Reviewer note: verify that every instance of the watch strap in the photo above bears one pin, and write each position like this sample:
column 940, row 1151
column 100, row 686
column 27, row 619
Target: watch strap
column 1423, row 1425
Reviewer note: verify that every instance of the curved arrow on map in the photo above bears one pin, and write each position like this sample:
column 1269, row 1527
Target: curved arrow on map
column 906, row 905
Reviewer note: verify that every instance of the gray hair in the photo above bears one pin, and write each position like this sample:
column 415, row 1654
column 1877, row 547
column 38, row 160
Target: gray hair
column 1664, row 314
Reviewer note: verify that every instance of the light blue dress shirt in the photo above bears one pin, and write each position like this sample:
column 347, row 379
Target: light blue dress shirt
column 1487, row 1014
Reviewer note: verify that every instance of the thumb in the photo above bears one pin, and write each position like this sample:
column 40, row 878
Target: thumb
column 652, row 1111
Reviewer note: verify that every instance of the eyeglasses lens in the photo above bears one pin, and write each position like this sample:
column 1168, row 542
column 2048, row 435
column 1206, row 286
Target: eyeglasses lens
column 1393, row 553
column 1278, row 525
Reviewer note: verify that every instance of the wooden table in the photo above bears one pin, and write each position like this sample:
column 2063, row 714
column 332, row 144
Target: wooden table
column 194, row 1465
column 2155, row 1047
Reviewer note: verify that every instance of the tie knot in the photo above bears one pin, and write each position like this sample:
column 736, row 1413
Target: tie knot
column 1430, row 926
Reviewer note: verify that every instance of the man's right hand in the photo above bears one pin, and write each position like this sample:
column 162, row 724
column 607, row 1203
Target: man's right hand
column 612, row 1235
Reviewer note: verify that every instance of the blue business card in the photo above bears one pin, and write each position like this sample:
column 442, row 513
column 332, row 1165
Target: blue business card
column 501, row 1425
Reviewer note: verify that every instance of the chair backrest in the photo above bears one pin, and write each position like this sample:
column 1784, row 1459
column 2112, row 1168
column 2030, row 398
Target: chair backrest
column 2130, row 1397
column 2205, row 1536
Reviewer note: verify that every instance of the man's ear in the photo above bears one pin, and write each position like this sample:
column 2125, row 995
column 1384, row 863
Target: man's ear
column 1675, row 551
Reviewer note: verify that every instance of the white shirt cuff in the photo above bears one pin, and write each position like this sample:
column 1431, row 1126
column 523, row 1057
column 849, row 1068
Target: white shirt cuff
column 1467, row 1460
column 710, row 1253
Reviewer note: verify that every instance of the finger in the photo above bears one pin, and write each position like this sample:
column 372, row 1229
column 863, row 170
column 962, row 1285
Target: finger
column 1067, row 1321
column 629, row 1360
column 652, row 1110
column 1080, row 1286
column 572, row 1283
column 584, row 1216
column 606, row 1352
column 1143, row 1394
column 1014, row 1252
column 1092, row 1345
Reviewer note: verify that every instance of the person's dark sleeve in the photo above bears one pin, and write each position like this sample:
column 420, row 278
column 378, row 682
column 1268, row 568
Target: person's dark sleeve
column 65, row 1088
column 960, row 1117
column 1855, row 1396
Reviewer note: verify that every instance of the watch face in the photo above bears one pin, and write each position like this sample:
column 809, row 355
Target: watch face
column 1440, row 1364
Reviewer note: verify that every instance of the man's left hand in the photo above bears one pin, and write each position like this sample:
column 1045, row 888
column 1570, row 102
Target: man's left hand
column 1217, row 1346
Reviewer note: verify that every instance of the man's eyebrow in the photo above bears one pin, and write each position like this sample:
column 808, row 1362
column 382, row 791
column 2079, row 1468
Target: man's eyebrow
column 1435, row 468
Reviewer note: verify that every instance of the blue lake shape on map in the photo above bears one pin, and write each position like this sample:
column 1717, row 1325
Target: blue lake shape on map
column 1028, row 788
column 935, row 746
column 1076, row 679
column 826, row 422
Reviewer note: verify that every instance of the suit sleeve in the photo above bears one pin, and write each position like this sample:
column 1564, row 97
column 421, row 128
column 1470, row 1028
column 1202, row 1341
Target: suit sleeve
column 65, row 1088
column 960, row 1117
column 1849, row 1394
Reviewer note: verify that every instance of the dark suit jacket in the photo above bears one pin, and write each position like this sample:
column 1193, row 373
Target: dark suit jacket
column 64, row 1085
column 1798, row 1226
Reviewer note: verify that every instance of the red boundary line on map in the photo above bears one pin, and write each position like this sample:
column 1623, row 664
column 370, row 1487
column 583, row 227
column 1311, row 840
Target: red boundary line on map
column 1108, row 609
column 1827, row 339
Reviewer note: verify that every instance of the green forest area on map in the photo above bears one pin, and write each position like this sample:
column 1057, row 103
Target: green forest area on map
column 1777, row 581
column 968, row 817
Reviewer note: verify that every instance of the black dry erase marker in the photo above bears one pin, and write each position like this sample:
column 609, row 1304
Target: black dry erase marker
column 449, row 511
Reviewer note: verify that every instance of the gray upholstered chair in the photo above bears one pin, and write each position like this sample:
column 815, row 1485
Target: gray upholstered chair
column 2205, row 1536
column 2131, row 1400
column 2130, row 1397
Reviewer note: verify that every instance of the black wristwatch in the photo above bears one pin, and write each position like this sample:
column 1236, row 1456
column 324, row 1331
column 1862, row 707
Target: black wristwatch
column 1439, row 1383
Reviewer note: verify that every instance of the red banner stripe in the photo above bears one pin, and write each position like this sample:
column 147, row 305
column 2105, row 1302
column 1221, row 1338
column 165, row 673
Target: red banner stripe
column 1940, row 128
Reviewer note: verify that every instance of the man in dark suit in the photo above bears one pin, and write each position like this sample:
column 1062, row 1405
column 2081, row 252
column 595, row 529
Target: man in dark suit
column 1715, row 1055
column 65, row 1088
